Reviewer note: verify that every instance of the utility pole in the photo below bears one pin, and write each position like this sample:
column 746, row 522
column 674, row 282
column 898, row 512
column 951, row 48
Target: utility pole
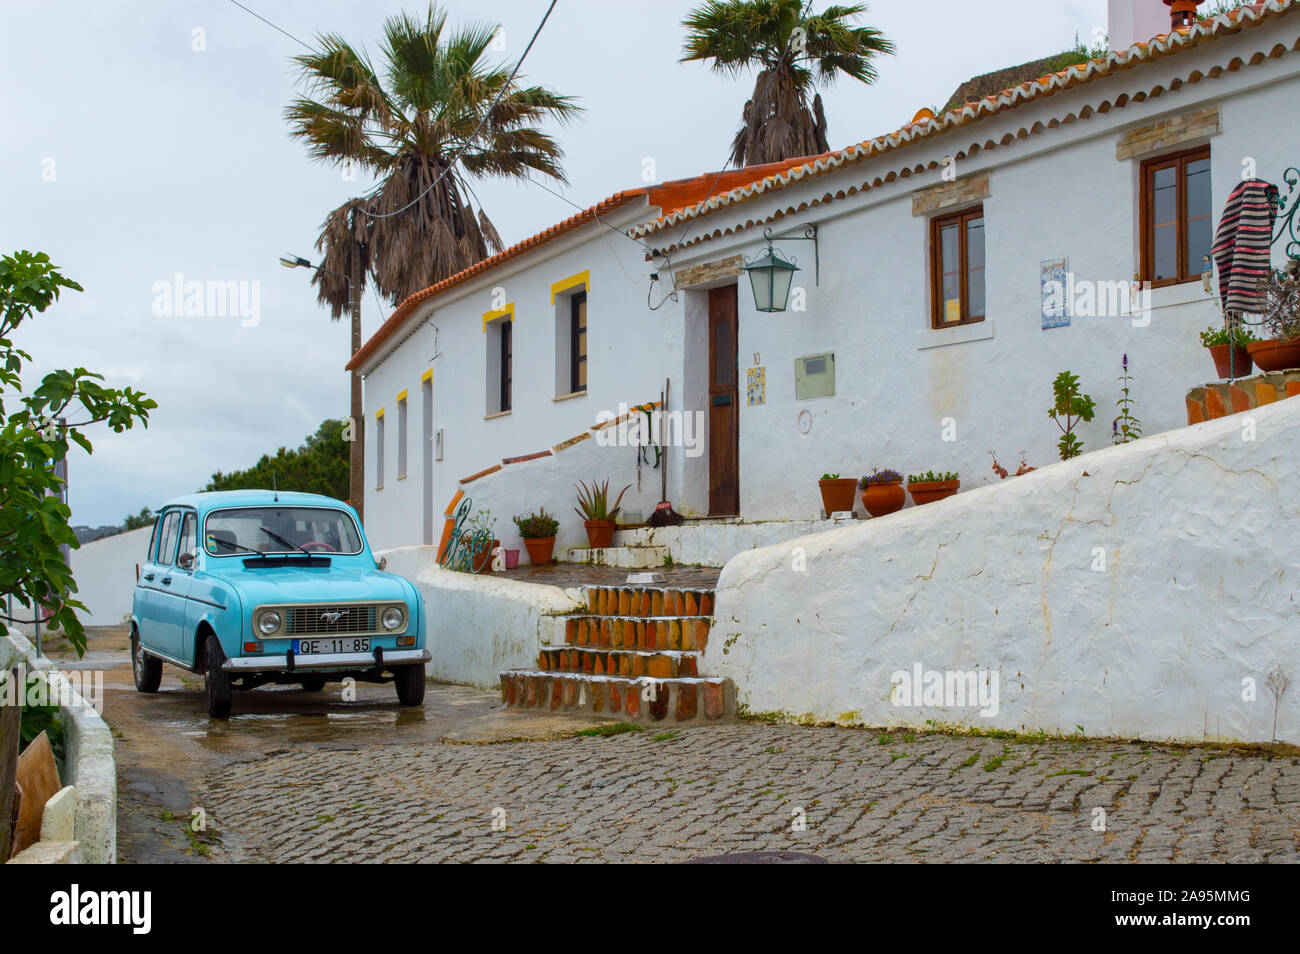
column 357, row 458
column 357, row 413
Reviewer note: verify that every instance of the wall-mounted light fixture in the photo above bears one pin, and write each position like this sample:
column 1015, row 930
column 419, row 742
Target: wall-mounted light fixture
column 771, row 273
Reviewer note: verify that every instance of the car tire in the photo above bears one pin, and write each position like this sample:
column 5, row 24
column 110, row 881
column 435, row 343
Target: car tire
column 409, row 681
column 146, row 669
column 313, row 683
column 217, row 680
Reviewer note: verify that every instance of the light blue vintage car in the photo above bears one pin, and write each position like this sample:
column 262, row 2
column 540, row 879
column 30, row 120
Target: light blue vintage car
column 253, row 586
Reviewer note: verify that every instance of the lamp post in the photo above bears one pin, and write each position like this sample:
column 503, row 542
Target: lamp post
column 357, row 446
column 771, row 273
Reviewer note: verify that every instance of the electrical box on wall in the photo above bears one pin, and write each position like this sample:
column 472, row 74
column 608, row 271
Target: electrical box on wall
column 814, row 376
column 437, row 444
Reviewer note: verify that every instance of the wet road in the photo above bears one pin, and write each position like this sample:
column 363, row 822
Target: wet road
column 297, row 776
column 169, row 751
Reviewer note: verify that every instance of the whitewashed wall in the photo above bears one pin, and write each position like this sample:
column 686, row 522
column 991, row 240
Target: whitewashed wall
column 1197, row 592
column 105, row 573
column 480, row 624
column 1059, row 193
column 624, row 365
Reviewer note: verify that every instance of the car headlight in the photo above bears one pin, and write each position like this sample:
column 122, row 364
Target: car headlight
column 269, row 622
column 394, row 618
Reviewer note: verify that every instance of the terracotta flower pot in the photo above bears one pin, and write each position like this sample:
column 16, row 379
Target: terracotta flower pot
column 540, row 549
column 1275, row 355
column 480, row 559
column 600, row 533
column 883, row 499
column 1240, row 357
column 932, row 490
column 837, row 494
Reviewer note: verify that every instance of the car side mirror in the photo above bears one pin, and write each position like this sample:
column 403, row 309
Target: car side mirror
column 382, row 564
column 186, row 561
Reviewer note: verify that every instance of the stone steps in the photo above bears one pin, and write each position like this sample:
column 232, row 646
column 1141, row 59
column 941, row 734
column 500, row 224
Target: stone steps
column 635, row 655
column 620, row 662
column 630, row 558
column 646, row 633
column 645, row 700
column 649, row 601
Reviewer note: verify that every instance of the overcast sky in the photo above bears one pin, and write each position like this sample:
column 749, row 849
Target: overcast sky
column 132, row 157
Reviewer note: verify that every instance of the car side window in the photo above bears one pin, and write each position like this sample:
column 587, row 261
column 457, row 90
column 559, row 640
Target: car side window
column 167, row 539
column 189, row 536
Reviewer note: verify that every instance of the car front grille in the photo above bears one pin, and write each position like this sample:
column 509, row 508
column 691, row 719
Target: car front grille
column 330, row 620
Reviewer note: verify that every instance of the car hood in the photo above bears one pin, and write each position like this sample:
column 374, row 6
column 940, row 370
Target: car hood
column 332, row 584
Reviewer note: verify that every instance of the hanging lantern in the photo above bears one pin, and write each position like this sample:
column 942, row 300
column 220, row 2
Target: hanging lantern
column 769, row 277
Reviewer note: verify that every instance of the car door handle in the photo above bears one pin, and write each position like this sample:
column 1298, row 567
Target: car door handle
column 149, row 577
column 166, row 581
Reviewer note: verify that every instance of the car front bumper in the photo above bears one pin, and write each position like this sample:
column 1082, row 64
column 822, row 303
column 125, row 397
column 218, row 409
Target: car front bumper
column 292, row 663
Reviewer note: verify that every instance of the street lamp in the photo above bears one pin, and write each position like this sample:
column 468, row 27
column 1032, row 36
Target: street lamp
column 769, row 277
column 771, row 273
column 356, row 432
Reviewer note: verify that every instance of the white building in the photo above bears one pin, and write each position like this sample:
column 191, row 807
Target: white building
column 876, row 362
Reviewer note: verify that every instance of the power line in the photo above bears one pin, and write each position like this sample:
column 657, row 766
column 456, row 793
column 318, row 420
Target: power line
column 271, row 25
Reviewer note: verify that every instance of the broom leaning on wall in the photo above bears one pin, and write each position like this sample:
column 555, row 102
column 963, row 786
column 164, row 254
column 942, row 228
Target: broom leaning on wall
column 664, row 515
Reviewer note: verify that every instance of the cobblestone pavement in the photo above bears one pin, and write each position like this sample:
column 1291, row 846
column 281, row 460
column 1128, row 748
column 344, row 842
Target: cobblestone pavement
column 863, row 796
column 296, row 776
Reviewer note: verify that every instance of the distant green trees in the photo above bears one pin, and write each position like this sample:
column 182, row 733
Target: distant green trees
column 144, row 518
column 319, row 466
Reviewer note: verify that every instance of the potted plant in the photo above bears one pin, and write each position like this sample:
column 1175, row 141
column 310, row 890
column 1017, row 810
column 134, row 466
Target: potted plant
column 599, row 519
column 538, row 530
column 478, row 540
column 1281, row 321
column 1229, row 351
column 837, row 493
column 929, row 487
column 882, row 492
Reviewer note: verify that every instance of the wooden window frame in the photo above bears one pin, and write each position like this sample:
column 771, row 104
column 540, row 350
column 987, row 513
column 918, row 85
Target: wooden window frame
column 506, row 357
column 937, row 224
column 1147, row 200
column 576, row 357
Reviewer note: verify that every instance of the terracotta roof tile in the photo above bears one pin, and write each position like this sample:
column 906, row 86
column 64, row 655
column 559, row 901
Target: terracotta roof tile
column 669, row 197
column 1010, row 98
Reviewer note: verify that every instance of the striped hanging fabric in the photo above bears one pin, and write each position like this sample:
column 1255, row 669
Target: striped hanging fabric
column 1242, row 246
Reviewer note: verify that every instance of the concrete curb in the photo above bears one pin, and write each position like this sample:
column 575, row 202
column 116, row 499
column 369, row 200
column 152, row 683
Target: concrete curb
column 89, row 764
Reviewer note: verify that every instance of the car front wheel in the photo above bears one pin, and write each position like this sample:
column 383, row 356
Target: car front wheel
column 146, row 669
column 217, row 681
column 409, row 681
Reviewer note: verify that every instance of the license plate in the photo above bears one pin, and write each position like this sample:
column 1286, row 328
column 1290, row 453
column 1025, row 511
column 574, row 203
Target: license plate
column 331, row 644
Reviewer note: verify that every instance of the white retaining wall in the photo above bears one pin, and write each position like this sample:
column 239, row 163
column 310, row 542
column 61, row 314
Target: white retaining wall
column 88, row 762
column 480, row 624
column 105, row 573
column 1196, row 596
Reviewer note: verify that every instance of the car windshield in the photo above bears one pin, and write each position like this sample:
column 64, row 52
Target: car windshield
column 247, row 530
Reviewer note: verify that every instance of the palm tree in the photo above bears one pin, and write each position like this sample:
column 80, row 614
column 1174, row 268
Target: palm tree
column 777, row 121
column 439, row 107
column 440, row 113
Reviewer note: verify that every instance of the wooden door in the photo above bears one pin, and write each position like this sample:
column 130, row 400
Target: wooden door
column 724, row 412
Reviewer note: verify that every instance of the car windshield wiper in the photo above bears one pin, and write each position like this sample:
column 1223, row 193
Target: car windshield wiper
column 287, row 543
column 233, row 545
